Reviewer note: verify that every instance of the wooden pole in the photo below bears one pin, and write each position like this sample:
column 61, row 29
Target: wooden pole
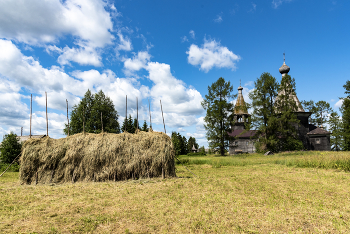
column 162, row 115
column 101, row 122
column 126, row 111
column 137, row 113
column 30, row 128
column 84, row 120
column 150, row 119
column 21, row 131
column 67, row 116
column 47, row 120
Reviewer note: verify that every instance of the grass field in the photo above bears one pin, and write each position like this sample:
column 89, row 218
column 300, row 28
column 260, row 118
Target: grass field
column 293, row 192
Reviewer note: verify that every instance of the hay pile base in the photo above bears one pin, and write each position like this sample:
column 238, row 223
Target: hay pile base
column 97, row 157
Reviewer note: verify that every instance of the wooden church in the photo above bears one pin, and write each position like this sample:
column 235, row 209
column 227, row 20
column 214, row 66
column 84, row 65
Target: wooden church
column 242, row 140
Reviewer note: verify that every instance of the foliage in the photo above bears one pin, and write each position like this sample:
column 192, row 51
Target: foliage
column 144, row 126
column 191, row 142
column 89, row 111
column 10, row 148
column 179, row 143
column 336, row 127
column 320, row 110
column 345, row 110
column 219, row 107
column 131, row 125
column 201, row 153
column 263, row 115
column 287, row 121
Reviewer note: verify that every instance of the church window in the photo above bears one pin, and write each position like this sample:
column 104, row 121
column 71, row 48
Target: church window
column 318, row 141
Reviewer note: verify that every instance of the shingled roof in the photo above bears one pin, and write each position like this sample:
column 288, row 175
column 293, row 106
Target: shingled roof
column 317, row 131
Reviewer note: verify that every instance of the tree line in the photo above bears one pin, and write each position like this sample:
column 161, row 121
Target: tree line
column 273, row 115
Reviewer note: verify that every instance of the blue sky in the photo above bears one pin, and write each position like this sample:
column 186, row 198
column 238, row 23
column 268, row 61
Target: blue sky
column 169, row 50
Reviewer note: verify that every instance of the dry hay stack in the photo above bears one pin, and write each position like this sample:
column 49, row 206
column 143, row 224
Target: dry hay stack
column 97, row 157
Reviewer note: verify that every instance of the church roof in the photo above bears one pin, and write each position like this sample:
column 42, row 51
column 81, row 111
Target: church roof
column 284, row 69
column 193, row 148
column 317, row 131
column 242, row 133
column 240, row 107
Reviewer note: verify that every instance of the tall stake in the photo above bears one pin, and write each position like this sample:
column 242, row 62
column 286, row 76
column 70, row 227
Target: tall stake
column 162, row 114
column 137, row 113
column 84, row 120
column 126, row 111
column 150, row 119
column 67, row 116
column 47, row 120
column 101, row 121
column 30, row 128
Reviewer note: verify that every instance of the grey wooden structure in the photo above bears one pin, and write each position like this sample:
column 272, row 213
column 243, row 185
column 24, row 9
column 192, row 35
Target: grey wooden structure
column 242, row 140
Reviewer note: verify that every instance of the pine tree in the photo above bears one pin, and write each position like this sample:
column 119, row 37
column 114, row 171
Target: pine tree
column 345, row 110
column 320, row 110
column 144, row 126
column 264, row 115
column 219, row 109
column 286, row 121
column 336, row 127
column 89, row 110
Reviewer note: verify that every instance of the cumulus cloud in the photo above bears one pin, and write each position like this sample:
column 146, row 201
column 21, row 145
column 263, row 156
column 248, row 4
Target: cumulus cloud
column 210, row 55
column 175, row 96
column 37, row 21
column 338, row 103
column 81, row 55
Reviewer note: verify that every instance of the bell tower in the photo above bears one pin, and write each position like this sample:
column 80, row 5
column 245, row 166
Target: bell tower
column 240, row 114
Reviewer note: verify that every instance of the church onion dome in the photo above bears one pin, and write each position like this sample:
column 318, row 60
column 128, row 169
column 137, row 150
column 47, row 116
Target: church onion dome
column 240, row 107
column 284, row 68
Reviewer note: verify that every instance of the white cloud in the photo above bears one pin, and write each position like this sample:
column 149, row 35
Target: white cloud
column 136, row 63
column 253, row 9
column 277, row 3
column 124, row 43
column 175, row 96
column 210, row 55
column 37, row 21
column 218, row 18
column 338, row 103
column 183, row 39
column 192, row 34
column 82, row 55
column 249, row 83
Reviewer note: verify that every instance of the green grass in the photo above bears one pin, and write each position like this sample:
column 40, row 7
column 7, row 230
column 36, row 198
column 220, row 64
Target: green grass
column 235, row 194
column 304, row 159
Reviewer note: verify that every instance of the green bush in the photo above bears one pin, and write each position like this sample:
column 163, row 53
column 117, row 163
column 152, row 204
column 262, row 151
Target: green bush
column 13, row 168
column 10, row 148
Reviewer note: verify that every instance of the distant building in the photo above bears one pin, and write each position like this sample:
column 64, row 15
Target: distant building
column 242, row 140
column 194, row 150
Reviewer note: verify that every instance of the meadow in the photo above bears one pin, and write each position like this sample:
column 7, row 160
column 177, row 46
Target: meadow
column 293, row 192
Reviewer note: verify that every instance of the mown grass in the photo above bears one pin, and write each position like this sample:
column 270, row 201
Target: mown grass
column 253, row 194
column 304, row 159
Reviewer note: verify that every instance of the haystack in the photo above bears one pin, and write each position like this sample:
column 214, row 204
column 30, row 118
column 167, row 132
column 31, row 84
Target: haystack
column 97, row 157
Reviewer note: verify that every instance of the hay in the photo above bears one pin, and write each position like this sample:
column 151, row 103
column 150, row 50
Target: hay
column 97, row 157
